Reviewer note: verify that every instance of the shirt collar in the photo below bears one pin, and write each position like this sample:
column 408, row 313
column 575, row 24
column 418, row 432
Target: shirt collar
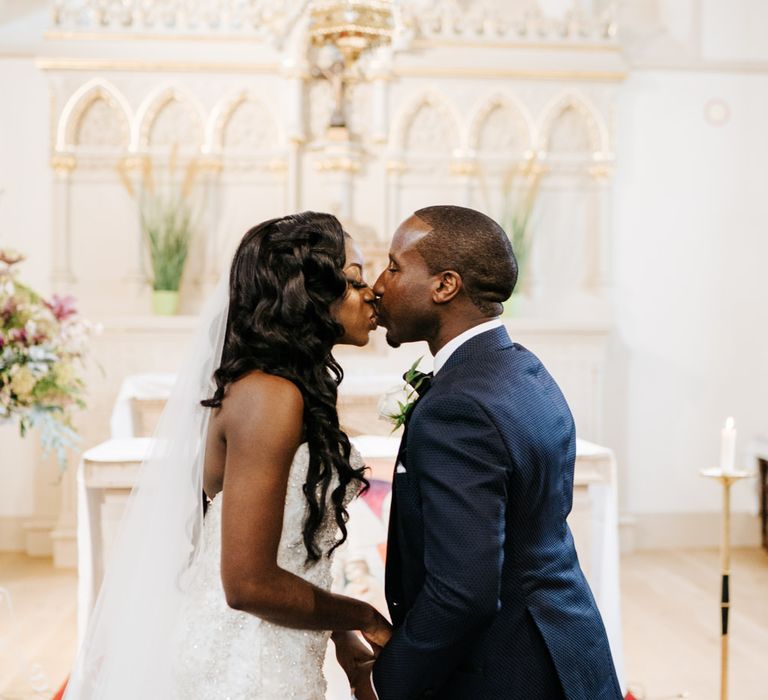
column 452, row 345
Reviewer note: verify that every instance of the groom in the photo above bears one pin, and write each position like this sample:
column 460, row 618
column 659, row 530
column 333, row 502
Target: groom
column 483, row 584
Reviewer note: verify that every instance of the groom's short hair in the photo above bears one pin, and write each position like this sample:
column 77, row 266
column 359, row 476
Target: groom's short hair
column 473, row 245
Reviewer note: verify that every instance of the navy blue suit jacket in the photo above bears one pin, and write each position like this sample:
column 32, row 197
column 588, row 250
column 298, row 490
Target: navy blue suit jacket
column 483, row 584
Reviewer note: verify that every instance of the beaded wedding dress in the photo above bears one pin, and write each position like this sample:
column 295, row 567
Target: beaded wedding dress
column 161, row 628
column 225, row 653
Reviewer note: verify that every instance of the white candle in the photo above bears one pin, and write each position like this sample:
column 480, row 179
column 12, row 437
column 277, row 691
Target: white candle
column 728, row 446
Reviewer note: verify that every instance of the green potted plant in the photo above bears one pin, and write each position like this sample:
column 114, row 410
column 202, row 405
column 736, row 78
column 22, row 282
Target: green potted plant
column 167, row 217
column 520, row 190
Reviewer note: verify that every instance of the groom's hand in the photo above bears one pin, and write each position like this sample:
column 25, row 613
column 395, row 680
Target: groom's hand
column 363, row 686
column 354, row 656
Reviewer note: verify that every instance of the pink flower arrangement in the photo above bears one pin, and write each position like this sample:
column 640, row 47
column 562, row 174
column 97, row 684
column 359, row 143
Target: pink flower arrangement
column 42, row 348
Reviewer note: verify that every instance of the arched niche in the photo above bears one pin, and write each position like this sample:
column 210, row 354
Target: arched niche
column 244, row 124
column 427, row 127
column 500, row 127
column 95, row 118
column 169, row 117
column 573, row 128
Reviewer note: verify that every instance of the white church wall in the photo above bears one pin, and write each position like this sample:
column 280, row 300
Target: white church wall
column 691, row 302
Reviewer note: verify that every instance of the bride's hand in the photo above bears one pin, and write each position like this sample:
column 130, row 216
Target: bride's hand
column 377, row 633
column 351, row 653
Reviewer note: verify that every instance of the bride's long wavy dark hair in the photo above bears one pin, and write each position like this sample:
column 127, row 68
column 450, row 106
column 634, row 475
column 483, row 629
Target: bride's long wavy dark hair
column 285, row 276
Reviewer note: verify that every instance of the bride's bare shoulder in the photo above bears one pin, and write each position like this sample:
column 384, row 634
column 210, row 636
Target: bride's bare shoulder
column 261, row 394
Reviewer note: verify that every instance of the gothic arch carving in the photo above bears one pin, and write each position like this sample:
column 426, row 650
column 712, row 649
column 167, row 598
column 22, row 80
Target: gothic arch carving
column 501, row 125
column 96, row 117
column 170, row 116
column 572, row 126
column 427, row 126
column 243, row 123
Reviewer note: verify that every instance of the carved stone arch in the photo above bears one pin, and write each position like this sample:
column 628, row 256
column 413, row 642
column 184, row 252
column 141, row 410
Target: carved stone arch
column 428, row 126
column 244, row 123
column 501, row 125
column 573, row 126
column 96, row 117
column 170, row 116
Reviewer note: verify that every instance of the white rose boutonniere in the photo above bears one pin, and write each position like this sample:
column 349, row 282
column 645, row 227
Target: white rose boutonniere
column 396, row 404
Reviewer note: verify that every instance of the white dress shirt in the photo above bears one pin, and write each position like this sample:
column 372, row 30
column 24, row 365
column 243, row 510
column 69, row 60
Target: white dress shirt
column 453, row 345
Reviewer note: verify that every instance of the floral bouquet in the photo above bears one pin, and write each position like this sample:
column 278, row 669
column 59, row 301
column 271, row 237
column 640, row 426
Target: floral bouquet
column 42, row 345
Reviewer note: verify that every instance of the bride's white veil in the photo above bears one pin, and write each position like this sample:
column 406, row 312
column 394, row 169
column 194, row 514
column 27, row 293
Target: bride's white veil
column 127, row 651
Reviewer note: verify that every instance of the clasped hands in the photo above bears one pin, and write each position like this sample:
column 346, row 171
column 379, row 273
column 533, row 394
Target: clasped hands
column 357, row 658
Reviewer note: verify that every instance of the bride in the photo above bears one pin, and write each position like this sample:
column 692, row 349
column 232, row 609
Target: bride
column 237, row 604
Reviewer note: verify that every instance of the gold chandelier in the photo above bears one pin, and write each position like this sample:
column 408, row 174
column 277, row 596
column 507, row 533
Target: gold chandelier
column 353, row 26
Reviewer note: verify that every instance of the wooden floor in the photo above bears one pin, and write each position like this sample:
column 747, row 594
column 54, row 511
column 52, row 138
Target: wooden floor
column 37, row 651
column 671, row 621
column 670, row 615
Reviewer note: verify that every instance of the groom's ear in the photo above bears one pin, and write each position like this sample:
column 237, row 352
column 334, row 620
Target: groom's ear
column 447, row 285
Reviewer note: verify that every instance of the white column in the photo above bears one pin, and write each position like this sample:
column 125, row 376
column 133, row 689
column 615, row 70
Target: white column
column 62, row 274
column 601, row 224
column 464, row 168
column 295, row 74
column 293, row 188
column 63, row 535
column 212, row 201
column 395, row 168
column 294, row 103
column 606, row 232
column 380, row 127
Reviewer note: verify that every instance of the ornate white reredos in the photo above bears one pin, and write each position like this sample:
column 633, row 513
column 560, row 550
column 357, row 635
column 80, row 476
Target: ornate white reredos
column 469, row 91
column 275, row 20
column 98, row 118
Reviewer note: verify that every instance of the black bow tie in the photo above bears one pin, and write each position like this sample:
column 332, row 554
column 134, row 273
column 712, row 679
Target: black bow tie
column 420, row 382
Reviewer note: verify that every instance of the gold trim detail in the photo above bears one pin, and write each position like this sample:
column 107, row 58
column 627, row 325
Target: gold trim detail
column 344, row 165
column 601, row 173
column 464, row 168
column 58, row 35
column 212, row 165
column 86, row 64
column 63, row 163
column 534, row 45
column 455, row 72
column 396, row 166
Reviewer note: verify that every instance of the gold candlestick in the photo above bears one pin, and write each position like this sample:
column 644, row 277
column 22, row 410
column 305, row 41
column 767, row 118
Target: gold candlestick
column 726, row 479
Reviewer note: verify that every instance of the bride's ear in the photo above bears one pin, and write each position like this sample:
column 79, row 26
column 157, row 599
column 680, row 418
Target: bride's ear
column 447, row 285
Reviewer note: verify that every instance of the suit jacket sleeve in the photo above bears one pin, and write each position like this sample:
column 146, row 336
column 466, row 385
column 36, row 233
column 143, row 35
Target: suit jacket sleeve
column 458, row 462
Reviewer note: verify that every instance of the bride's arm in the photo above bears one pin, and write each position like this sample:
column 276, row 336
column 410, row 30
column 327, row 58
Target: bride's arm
column 261, row 422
